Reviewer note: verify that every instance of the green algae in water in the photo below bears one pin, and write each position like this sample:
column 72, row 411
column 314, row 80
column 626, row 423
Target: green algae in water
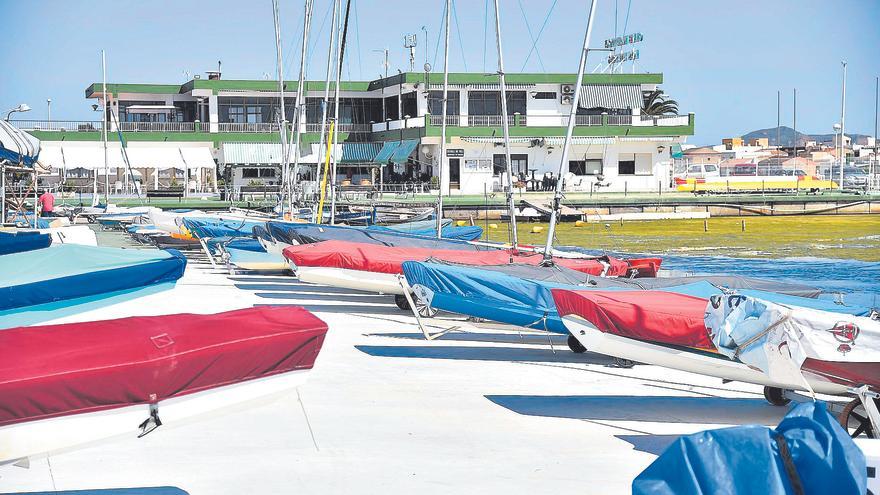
column 827, row 236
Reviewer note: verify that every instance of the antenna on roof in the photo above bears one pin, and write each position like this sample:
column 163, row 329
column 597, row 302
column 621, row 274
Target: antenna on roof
column 409, row 41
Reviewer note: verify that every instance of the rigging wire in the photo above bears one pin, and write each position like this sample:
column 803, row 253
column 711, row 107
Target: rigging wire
column 529, row 30
column 321, row 29
column 485, row 30
column 439, row 34
column 540, row 32
column 626, row 19
column 357, row 35
column 458, row 31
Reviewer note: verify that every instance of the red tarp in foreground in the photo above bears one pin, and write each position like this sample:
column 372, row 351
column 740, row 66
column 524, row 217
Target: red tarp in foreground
column 657, row 316
column 57, row 370
column 386, row 259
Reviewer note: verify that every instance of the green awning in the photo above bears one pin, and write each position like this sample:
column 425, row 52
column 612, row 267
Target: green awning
column 675, row 151
column 401, row 154
column 387, row 150
column 359, row 152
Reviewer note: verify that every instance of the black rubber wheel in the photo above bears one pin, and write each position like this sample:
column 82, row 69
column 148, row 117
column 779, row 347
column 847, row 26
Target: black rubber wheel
column 776, row 396
column 575, row 345
column 401, row 302
column 855, row 421
column 623, row 363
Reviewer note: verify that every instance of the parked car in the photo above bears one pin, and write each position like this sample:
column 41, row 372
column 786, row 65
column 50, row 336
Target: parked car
column 853, row 177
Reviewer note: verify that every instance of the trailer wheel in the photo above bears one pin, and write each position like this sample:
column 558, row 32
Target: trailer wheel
column 854, row 419
column 401, row 302
column 776, row 396
column 623, row 363
column 575, row 345
column 424, row 310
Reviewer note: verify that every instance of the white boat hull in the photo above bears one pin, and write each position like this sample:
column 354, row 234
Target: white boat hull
column 645, row 352
column 380, row 283
column 53, row 435
column 74, row 234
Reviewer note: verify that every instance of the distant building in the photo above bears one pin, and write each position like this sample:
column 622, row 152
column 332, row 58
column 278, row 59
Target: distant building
column 705, row 155
column 731, row 143
column 760, row 142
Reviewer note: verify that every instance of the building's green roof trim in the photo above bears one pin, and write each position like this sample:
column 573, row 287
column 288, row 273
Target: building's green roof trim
column 263, row 85
column 115, row 89
column 406, row 77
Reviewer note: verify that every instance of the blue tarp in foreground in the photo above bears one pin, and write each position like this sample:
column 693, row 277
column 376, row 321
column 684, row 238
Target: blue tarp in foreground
column 808, row 449
column 70, row 271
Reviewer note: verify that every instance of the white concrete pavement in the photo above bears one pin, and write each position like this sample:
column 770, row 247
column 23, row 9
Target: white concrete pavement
column 486, row 410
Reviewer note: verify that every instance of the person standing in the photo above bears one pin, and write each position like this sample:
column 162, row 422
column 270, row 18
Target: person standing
column 46, row 203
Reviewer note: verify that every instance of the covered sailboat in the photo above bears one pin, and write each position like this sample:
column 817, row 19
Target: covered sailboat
column 375, row 268
column 36, row 283
column 669, row 329
column 77, row 383
column 520, row 294
column 18, row 242
column 309, row 233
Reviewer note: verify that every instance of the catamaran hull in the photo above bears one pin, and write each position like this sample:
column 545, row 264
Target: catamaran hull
column 676, row 358
column 50, row 436
column 380, row 283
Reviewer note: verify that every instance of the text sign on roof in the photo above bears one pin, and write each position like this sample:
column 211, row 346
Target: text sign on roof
column 624, row 40
column 623, row 57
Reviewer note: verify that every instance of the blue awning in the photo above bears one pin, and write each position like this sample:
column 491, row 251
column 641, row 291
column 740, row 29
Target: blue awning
column 359, row 152
column 388, row 148
column 401, row 154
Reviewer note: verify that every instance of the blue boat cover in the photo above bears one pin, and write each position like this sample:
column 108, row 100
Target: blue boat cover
column 308, row 233
column 70, row 271
column 17, row 242
column 16, row 146
column 27, row 221
column 208, row 227
column 246, row 244
column 520, row 295
column 467, row 233
column 808, row 449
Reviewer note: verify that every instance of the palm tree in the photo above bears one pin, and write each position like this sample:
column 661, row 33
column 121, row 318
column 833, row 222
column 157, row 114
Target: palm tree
column 656, row 103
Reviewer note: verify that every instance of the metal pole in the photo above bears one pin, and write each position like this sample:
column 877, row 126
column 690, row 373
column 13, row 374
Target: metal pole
column 300, row 105
column 794, row 120
column 778, row 113
column 876, row 144
column 49, row 110
column 104, row 125
column 326, row 102
column 563, row 161
column 335, row 118
column 279, row 67
column 444, row 184
column 842, row 125
column 505, row 124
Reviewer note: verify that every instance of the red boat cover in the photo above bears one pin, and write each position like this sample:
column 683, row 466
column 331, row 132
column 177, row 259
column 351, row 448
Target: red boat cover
column 58, row 370
column 651, row 315
column 387, row 259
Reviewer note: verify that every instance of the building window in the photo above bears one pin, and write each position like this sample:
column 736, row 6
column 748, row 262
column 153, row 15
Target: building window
column 435, row 102
column 250, row 173
column 626, row 167
column 519, row 169
column 545, row 95
column 267, row 172
column 585, row 167
column 489, row 102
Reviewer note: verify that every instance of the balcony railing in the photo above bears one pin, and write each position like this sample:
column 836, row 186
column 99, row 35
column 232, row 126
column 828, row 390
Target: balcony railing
column 248, row 127
column 588, row 120
column 157, row 126
column 57, row 125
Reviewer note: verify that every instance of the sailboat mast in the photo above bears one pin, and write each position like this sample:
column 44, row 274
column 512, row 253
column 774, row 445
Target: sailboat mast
column 340, row 47
column 444, row 103
column 505, row 124
column 572, row 117
column 279, row 64
column 326, row 101
column 104, row 136
column 300, row 105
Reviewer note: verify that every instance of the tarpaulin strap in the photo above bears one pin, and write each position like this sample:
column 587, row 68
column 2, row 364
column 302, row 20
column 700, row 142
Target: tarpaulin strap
column 740, row 348
column 790, row 469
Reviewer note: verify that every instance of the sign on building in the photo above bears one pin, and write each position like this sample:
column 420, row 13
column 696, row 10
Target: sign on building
column 455, row 152
column 628, row 39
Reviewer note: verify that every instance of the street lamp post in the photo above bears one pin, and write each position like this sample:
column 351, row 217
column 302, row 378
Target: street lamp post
column 20, row 108
column 49, row 110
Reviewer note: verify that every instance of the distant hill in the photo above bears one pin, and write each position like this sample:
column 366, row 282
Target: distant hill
column 787, row 136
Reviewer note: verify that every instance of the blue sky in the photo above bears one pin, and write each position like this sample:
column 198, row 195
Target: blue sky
column 722, row 60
